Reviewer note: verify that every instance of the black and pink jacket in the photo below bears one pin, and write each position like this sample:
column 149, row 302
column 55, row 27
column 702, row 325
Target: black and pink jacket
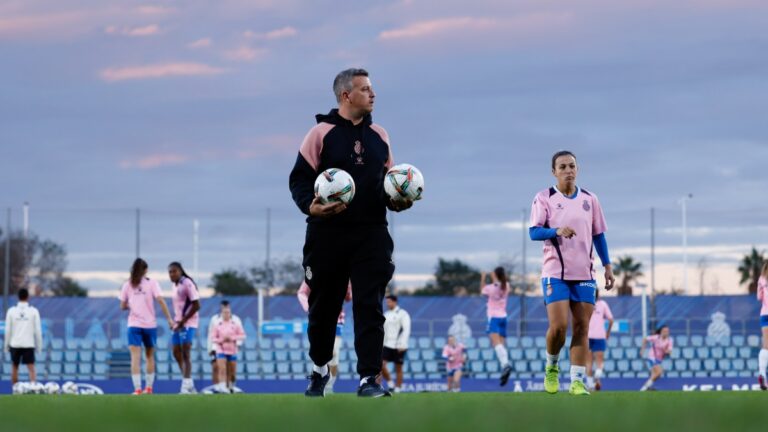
column 362, row 150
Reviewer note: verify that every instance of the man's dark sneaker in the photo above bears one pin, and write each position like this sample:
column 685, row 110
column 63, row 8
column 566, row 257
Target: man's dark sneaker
column 505, row 375
column 371, row 388
column 317, row 384
column 762, row 382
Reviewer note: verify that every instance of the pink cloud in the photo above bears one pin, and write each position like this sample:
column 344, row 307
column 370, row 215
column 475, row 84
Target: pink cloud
column 148, row 30
column 280, row 33
column 431, row 27
column 155, row 161
column 154, row 10
column 37, row 25
column 158, row 71
column 245, row 53
column 200, row 43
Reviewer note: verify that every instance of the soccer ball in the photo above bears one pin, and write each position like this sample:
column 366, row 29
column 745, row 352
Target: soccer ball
column 404, row 182
column 69, row 388
column 52, row 388
column 20, row 388
column 335, row 185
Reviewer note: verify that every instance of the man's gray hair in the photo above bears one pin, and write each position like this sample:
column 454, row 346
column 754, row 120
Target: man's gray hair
column 343, row 81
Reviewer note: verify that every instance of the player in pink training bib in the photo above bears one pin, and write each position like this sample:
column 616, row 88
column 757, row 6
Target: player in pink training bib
column 762, row 296
column 453, row 353
column 333, row 365
column 660, row 346
column 498, row 293
column 569, row 221
column 138, row 296
column 598, row 340
column 226, row 336
column 186, row 304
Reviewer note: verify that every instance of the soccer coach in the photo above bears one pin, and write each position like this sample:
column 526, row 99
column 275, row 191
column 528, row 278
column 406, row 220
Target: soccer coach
column 347, row 243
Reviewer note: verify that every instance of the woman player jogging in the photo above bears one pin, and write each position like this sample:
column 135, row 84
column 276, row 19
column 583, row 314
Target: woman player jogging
column 186, row 304
column 660, row 346
column 226, row 336
column 598, row 338
column 498, row 292
column 570, row 222
column 762, row 296
column 138, row 296
column 453, row 354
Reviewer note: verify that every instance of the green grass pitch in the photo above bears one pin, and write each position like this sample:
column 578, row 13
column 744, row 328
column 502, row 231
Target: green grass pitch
column 467, row 412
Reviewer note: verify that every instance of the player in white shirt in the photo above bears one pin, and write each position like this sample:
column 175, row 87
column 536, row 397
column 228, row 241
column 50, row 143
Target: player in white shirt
column 213, row 348
column 23, row 336
column 397, row 331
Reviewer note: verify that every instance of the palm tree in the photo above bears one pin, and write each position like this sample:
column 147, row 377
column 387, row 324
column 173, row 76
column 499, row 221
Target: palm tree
column 750, row 268
column 629, row 270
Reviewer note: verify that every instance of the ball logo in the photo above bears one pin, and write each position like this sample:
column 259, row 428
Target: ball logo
column 309, row 273
column 559, row 206
column 586, row 206
column 359, row 150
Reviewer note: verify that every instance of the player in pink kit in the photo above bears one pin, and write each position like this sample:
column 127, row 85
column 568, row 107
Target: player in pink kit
column 138, row 296
column 498, row 293
column 762, row 296
column 570, row 222
column 598, row 338
column 660, row 346
column 333, row 365
column 186, row 304
column 454, row 356
column 226, row 335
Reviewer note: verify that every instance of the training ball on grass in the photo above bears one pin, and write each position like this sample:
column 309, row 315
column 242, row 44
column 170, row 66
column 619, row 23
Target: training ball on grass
column 335, row 185
column 20, row 388
column 404, row 182
column 52, row 388
column 69, row 388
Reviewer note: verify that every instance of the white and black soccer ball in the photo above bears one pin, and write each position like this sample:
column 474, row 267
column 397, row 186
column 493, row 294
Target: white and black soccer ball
column 52, row 388
column 20, row 388
column 36, row 388
column 404, row 182
column 335, row 185
column 69, row 388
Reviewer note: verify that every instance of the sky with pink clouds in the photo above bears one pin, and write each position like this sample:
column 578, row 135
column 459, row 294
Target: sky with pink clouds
column 193, row 111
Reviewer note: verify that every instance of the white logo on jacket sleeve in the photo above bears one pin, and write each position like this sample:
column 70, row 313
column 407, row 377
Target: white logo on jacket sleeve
column 309, row 273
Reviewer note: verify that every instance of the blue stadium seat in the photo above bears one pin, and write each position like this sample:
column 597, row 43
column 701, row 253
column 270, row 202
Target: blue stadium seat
column 738, row 364
column 266, row 355
column 86, row 356
column 676, row 353
column 431, row 367
column 71, row 344
column 745, row 352
column 681, row 365
column 473, row 354
column 516, row 354
column 536, row 365
column 417, row 366
column 716, row 352
column 724, row 341
column 666, row 364
column 265, row 343
column 625, row 341
column 710, row 341
column 492, row 366
column 296, row 355
column 483, row 343
column 268, row 367
column 694, row 365
column 283, row 368
column 280, row 344
column 616, row 353
column 638, row 365
column 513, row 342
column 429, row 354
column 731, row 352
column 613, row 342
column 70, row 356
column 520, row 366
column 609, row 365
column 281, row 355
column 717, row 374
column 526, row 342
column 424, row 342
column 353, row 356
column 477, row 366
column 540, row 342
column 532, row 354
column 681, row 341
column 101, row 344
column 162, row 343
column 738, row 340
column 57, row 343
column 251, row 355
column 689, row 353
column 628, row 374
column 702, row 352
column 103, row 356
column 673, row 374
column 697, row 340
column 752, row 364
column 440, row 342
column 622, row 365
column 300, row 368
column 753, row 341
column 488, row 354
column 162, row 368
column 70, row 368
column 56, row 356
column 345, row 368
column 294, row 344
column 54, row 368
column 724, row 364
column 470, row 343
column 118, row 343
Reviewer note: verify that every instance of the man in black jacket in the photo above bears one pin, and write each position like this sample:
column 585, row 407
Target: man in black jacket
column 347, row 243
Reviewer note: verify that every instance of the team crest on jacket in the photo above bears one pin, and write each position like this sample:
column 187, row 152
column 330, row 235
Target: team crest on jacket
column 309, row 273
column 359, row 150
column 586, row 206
